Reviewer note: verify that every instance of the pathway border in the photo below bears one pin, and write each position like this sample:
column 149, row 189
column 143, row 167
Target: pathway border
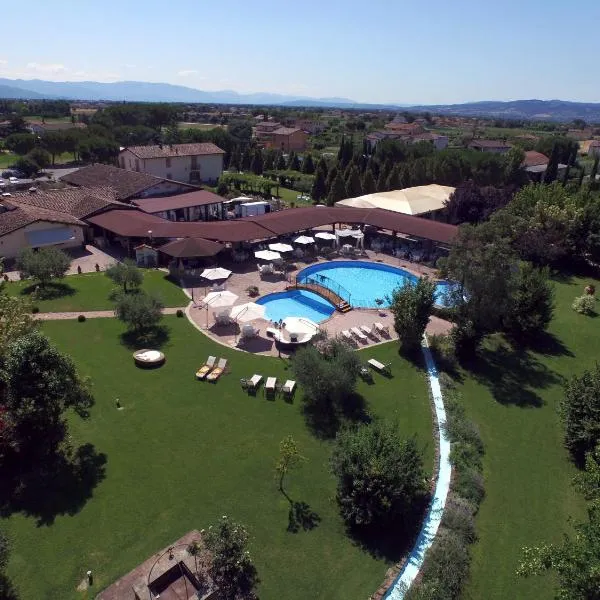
column 413, row 563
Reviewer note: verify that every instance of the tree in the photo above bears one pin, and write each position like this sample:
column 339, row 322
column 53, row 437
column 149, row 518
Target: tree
column 552, row 168
column 380, row 475
column 411, row 306
column 140, row 312
column 96, row 148
column 222, row 188
column 40, row 156
column 40, row 385
column 393, row 180
column 293, row 162
column 27, row 166
column 594, row 170
column 322, row 166
column 308, row 166
column 319, row 189
column 337, row 191
column 231, row 568
column 126, row 273
column 236, row 160
column 353, row 185
column 580, row 411
column 241, row 131
column 20, row 143
column 289, row 458
column 280, row 165
column 55, row 142
column 368, row 182
column 257, row 163
column 246, row 160
column 531, row 305
column 15, row 319
column 43, row 264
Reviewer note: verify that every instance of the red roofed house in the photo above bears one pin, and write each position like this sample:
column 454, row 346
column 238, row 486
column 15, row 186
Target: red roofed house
column 494, row 146
column 287, row 139
column 190, row 163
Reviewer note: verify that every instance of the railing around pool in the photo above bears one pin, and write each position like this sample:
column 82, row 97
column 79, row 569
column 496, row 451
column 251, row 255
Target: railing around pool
column 329, row 289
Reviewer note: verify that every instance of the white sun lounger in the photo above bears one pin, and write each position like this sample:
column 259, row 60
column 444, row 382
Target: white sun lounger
column 346, row 333
column 205, row 369
column 359, row 334
column 366, row 330
column 254, row 381
column 218, row 371
column 270, row 385
column 379, row 366
column 381, row 328
column 288, row 388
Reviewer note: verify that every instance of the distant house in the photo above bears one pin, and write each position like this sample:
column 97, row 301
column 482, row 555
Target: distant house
column 536, row 163
column 494, row 146
column 200, row 205
column 287, row 139
column 127, row 185
column 312, row 126
column 189, row 163
column 440, row 142
column 405, row 128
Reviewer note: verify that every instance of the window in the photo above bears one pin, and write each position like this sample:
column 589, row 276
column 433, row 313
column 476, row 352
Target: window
column 168, row 160
column 194, row 163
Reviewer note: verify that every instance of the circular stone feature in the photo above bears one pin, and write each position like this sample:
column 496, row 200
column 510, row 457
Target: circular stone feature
column 148, row 358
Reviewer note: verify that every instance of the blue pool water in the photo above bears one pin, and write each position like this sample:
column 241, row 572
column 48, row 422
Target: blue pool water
column 296, row 303
column 365, row 281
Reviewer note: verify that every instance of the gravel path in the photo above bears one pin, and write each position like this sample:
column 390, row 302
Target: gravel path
column 91, row 314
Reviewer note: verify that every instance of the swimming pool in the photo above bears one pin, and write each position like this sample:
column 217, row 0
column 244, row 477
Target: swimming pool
column 364, row 282
column 296, row 303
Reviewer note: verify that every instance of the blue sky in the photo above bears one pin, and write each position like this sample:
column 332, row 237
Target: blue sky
column 405, row 51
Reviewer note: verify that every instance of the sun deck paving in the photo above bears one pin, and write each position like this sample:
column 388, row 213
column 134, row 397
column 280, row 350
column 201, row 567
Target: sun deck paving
column 246, row 275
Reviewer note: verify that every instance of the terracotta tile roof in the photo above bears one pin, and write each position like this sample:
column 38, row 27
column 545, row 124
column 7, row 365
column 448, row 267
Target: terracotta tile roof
column 533, row 158
column 125, row 184
column 78, row 203
column 286, row 130
column 167, row 151
column 197, row 198
column 20, row 215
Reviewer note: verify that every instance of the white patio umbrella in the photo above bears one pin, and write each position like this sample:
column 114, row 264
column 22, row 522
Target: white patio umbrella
column 325, row 235
column 250, row 311
column 279, row 247
column 267, row 255
column 215, row 274
column 219, row 300
column 304, row 239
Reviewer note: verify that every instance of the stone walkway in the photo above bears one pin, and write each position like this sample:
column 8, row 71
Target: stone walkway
column 91, row 314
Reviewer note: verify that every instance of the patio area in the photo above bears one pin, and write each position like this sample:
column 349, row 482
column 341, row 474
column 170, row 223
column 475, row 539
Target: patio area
column 246, row 275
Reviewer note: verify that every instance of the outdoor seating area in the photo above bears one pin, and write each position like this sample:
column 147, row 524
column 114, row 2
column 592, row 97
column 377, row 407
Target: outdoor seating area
column 271, row 387
column 377, row 332
column 210, row 372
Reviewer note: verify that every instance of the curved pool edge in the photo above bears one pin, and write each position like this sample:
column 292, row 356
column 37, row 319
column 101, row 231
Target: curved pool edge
column 433, row 518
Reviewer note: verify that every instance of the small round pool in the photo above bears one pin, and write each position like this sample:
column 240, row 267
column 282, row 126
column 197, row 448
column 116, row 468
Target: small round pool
column 296, row 303
column 360, row 283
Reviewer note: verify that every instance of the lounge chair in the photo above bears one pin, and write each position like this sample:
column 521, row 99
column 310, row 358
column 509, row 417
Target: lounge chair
column 347, row 335
column 359, row 334
column 244, row 384
column 379, row 366
column 288, row 388
column 381, row 328
column 254, row 382
column 366, row 330
column 270, row 386
column 216, row 373
column 365, row 374
column 203, row 371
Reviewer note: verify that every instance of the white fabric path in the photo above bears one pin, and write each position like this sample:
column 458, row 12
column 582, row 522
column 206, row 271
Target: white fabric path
column 436, row 510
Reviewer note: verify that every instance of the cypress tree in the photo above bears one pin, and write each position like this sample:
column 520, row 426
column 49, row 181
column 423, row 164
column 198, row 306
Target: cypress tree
column 293, row 162
column 280, row 164
column 353, row 184
column 322, row 165
column 552, row 168
column 393, row 180
column 368, row 183
column 337, row 191
column 269, row 162
column 246, row 160
column 331, row 176
column 319, row 188
column 256, row 166
column 235, row 160
column 308, row 166
column 594, row 170
column 581, row 176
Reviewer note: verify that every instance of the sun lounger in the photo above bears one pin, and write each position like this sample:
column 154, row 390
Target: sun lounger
column 365, row 374
column 366, row 330
column 270, row 385
column 346, row 333
column 216, row 373
column 288, row 388
column 378, row 366
column 254, row 382
column 359, row 334
column 381, row 328
column 203, row 371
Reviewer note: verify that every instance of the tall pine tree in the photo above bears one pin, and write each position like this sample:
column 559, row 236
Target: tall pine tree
column 293, row 162
column 256, row 166
column 280, row 164
column 322, row 165
column 331, row 176
column 368, row 183
column 353, row 185
column 552, row 168
column 393, row 180
column 235, row 160
column 319, row 188
column 246, row 160
column 308, row 166
column 337, row 191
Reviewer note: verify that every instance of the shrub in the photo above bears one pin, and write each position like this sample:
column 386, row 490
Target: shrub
column 35, row 310
column 140, row 312
column 459, row 517
column 584, row 305
column 252, row 291
column 179, row 313
column 44, row 264
column 81, row 318
column 469, row 485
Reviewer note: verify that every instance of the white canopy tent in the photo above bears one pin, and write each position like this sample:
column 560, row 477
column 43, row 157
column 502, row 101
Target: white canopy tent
column 215, row 274
column 325, row 235
column 279, row 247
column 304, row 240
column 346, row 234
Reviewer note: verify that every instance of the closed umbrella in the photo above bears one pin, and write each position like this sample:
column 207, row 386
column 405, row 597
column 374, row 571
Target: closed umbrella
column 304, row 239
column 244, row 313
column 279, row 247
column 267, row 255
column 215, row 274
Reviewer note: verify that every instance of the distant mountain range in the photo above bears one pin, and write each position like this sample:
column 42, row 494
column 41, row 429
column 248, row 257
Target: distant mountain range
column 139, row 91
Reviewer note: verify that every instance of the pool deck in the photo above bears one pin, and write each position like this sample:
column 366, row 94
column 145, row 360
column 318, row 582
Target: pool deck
column 246, row 274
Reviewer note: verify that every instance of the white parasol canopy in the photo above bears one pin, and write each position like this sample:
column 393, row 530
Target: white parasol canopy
column 348, row 233
column 250, row 311
column 325, row 235
column 279, row 247
column 267, row 255
column 300, row 325
column 304, row 239
column 215, row 274
column 220, row 299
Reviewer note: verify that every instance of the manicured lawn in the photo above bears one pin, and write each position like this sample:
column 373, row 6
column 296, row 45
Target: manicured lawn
column 289, row 196
column 91, row 291
column 182, row 453
column 528, row 476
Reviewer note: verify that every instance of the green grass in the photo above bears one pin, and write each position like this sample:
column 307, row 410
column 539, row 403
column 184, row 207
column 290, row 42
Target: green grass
column 289, row 196
column 8, row 159
column 91, row 291
column 182, row 453
column 529, row 496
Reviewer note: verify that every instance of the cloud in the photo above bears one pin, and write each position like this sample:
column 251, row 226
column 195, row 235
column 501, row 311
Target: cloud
column 3, row 62
column 187, row 72
column 46, row 68
column 129, row 66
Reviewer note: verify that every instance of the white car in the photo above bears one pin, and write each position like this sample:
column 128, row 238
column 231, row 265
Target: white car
column 13, row 179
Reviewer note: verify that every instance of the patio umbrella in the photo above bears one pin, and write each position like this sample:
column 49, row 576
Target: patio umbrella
column 267, row 255
column 219, row 300
column 325, row 235
column 304, row 239
column 191, row 248
column 279, row 247
column 244, row 313
column 215, row 274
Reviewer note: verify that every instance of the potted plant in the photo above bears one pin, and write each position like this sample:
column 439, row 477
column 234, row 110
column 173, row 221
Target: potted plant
column 590, row 290
column 379, row 302
column 252, row 291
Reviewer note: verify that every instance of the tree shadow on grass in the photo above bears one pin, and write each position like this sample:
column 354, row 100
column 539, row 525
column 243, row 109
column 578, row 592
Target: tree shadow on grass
column 325, row 419
column 156, row 337
column 301, row 516
column 548, row 344
column 60, row 487
column 7, row 589
column 513, row 376
column 50, row 291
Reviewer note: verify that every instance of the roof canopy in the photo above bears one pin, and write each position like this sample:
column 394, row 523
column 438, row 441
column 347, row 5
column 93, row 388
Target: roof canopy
column 162, row 203
column 191, row 247
column 410, row 201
